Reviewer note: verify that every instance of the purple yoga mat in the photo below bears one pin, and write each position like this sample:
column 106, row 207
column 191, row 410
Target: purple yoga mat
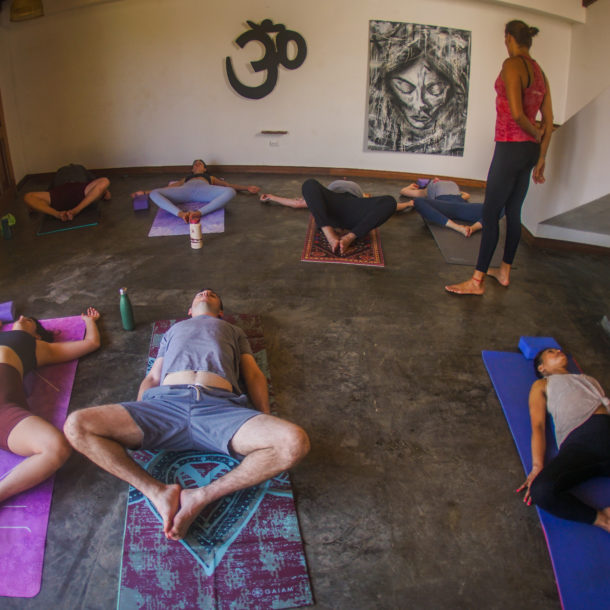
column 167, row 224
column 24, row 517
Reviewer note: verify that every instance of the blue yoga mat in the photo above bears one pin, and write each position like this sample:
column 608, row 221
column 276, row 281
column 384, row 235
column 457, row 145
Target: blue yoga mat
column 580, row 553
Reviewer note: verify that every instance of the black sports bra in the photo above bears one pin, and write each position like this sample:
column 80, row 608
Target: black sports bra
column 205, row 176
column 23, row 344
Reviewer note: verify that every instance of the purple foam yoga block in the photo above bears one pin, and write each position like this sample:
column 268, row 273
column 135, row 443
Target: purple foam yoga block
column 140, row 202
column 422, row 182
column 530, row 346
column 7, row 311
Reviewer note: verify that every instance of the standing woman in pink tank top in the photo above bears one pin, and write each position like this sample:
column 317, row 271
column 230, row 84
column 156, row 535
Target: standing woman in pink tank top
column 521, row 145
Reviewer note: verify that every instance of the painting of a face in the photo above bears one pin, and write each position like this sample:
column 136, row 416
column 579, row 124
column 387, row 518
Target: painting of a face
column 422, row 92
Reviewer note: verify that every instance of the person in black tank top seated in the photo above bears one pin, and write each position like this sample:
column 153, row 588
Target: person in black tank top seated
column 23, row 348
column 198, row 186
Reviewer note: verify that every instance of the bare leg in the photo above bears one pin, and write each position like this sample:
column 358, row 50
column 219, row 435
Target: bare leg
column 93, row 191
column 603, row 519
column 271, row 445
column 287, row 201
column 346, row 241
column 472, row 286
column 41, row 202
column 46, row 450
column 102, row 433
column 331, row 237
column 502, row 273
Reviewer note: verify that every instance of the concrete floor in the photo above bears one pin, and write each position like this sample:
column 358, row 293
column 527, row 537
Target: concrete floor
column 407, row 498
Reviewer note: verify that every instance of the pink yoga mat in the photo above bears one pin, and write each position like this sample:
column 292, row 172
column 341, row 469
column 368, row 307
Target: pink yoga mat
column 24, row 517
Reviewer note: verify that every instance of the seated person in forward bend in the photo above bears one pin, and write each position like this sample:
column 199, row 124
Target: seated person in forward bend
column 199, row 186
column 442, row 202
column 190, row 400
column 580, row 413
column 345, row 206
column 22, row 349
column 67, row 200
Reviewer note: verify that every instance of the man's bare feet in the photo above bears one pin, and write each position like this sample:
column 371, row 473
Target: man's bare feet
column 500, row 275
column 471, row 286
column 345, row 242
column 186, row 216
column 192, row 502
column 603, row 519
column 167, row 502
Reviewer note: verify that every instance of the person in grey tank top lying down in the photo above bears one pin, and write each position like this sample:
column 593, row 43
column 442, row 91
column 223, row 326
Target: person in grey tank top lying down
column 191, row 400
column 580, row 413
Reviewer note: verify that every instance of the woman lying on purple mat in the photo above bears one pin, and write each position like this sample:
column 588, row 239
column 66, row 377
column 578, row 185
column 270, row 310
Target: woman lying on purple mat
column 22, row 349
column 200, row 187
column 580, row 413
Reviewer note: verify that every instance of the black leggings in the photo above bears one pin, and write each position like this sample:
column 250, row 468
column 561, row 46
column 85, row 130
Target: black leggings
column 584, row 454
column 507, row 183
column 342, row 210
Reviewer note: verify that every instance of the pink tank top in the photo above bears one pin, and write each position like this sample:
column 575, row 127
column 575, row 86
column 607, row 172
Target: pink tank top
column 507, row 129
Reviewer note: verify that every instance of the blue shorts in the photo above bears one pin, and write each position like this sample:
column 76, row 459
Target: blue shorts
column 187, row 417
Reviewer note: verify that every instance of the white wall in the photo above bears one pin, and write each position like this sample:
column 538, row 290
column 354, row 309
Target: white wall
column 572, row 10
column 141, row 82
column 589, row 60
column 577, row 172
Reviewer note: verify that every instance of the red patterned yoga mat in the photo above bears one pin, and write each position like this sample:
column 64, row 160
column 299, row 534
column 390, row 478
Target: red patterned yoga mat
column 364, row 251
column 243, row 551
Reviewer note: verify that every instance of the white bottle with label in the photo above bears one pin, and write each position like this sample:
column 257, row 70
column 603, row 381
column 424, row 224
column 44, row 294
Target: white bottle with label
column 196, row 236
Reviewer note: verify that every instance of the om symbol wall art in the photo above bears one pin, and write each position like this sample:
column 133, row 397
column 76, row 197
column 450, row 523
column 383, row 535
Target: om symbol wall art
column 418, row 88
column 276, row 53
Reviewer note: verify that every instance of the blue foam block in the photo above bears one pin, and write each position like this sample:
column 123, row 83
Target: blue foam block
column 422, row 182
column 530, row 346
column 580, row 553
column 140, row 202
column 7, row 311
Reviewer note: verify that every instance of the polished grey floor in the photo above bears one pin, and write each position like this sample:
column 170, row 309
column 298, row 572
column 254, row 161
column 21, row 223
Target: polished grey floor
column 407, row 497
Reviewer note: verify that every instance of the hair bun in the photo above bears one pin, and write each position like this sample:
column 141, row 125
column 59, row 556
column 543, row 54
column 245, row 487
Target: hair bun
column 533, row 31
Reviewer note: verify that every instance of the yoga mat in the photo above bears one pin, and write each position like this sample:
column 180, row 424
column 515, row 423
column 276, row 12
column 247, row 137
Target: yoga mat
column 459, row 250
column 168, row 224
column 24, row 517
column 365, row 251
column 243, row 551
column 580, row 553
column 89, row 217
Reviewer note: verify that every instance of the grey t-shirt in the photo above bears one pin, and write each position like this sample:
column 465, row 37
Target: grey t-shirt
column 204, row 343
column 442, row 187
column 346, row 186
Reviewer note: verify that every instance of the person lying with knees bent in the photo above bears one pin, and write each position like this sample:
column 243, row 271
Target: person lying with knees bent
column 23, row 348
column 67, row 200
column 442, row 202
column 581, row 416
column 199, row 186
column 190, row 400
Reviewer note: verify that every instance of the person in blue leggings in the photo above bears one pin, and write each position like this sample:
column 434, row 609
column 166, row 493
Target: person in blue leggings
column 199, row 186
column 442, row 202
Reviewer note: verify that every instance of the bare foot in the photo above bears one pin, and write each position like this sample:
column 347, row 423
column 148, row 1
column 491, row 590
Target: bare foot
column 345, row 242
column 500, row 275
column 167, row 502
column 471, row 286
column 136, row 194
column 192, row 502
column 332, row 238
column 401, row 206
column 603, row 519
column 463, row 229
